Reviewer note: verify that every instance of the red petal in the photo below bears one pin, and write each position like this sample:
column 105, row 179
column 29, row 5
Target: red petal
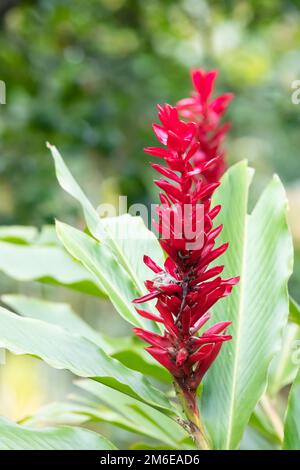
column 181, row 357
column 170, row 267
column 202, row 353
column 200, row 322
column 161, row 133
column 158, row 152
column 217, row 328
column 145, row 298
column 214, row 212
column 164, row 359
column 214, row 233
column 171, row 190
column 208, row 190
column 214, row 254
column 204, row 365
column 152, row 338
column 211, row 273
column 149, row 316
column 152, row 265
column 166, row 172
column 211, row 339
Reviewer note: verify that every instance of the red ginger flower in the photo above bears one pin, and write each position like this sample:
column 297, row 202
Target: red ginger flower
column 207, row 113
column 185, row 288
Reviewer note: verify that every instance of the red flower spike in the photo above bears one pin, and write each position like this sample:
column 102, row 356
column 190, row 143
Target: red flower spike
column 186, row 287
column 207, row 113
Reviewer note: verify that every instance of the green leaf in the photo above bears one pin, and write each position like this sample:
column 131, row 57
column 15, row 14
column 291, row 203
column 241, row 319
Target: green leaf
column 57, row 413
column 261, row 253
column 134, row 240
column 50, row 264
column 129, row 350
column 77, row 414
column 253, row 440
column 16, row 437
column 18, row 234
column 139, row 417
column 68, row 183
column 56, row 313
column 261, row 424
column 294, row 311
column 135, row 357
column 99, row 260
column 284, row 366
column 292, row 419
column 147, row 446
column 126, row 236
column 63, row 350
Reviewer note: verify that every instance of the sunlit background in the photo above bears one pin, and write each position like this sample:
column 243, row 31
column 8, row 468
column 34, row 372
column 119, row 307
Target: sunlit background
column 86, row 76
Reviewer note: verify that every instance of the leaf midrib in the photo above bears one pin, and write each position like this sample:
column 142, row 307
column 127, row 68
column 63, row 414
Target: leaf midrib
column 238, row 330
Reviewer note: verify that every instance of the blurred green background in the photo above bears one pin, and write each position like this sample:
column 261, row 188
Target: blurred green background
column 86, row 76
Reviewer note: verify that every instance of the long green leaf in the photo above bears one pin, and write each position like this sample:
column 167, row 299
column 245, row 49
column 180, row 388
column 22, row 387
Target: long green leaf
column 284, row 367
column 16, row 437
column 56, row 414
column 80, row 413
column 294, row 311
column 261, row 253
column 99, row 260
column 56, row 313
column 134, row 240
column 63, row 350
column 292, row 419
column 68, row 183
column 49, row 264
column 141, row 418
column 128, row 350
column 253, row 440
column 128, row 250
column 18, row 234
column 260, row 421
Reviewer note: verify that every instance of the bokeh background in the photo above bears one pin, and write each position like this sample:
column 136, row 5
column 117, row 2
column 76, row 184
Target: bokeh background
column 86, row 75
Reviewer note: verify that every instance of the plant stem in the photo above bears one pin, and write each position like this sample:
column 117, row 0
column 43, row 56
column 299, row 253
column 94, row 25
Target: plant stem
column 190, row 407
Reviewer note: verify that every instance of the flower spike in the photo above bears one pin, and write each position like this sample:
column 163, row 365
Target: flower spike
column 187, row 287
column 207, row 112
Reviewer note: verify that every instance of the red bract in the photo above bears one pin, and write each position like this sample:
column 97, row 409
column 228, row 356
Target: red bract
column 185, row 288
column 207, row 113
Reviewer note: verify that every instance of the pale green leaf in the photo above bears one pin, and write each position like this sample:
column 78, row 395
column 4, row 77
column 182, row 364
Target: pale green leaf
column 50, row 264
column 260, row 251
column 134, row 241
column 63, row 350
column 16, row 437
column 128, row 350
column 135, row 357
column 284, row 366
column 262, row 425
column 294, row 311
column 68, row 183
column 126, row 236
column 18, row 234
column 57, row 313
column 253, row 440
column 99, row 260
column 292, row 419
column 57, row 413
column 141, row 418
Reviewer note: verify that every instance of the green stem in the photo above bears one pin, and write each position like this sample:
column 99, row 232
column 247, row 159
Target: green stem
column 190, row 407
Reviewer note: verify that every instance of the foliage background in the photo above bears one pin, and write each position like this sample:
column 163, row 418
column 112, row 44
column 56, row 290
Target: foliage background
column 86, row 76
